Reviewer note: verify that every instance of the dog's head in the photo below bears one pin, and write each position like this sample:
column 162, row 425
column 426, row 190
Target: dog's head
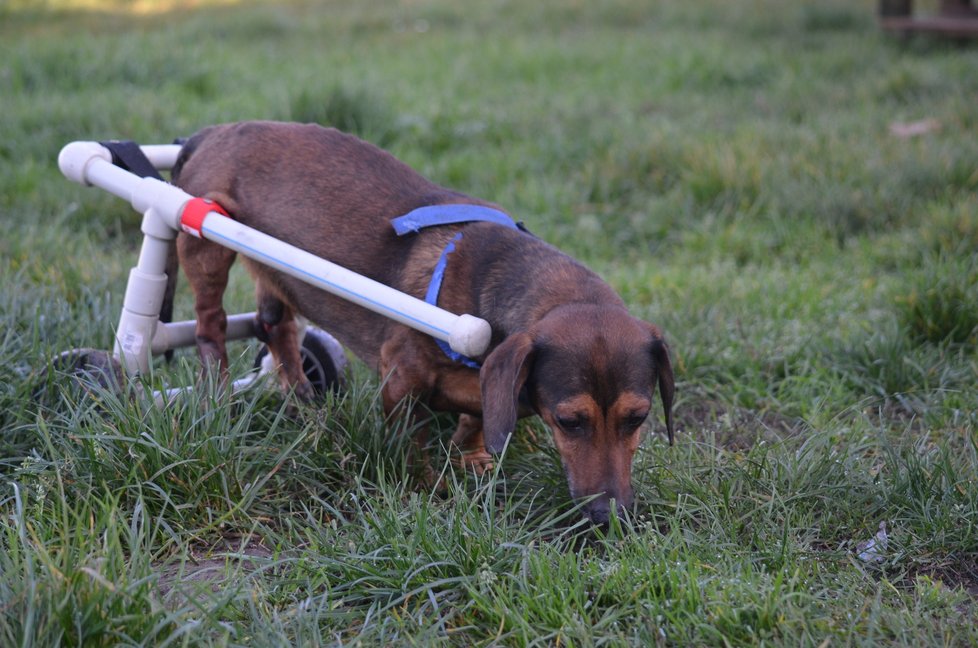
column 589, row 372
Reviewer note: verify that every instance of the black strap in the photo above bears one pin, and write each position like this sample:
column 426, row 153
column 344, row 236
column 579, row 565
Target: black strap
column 127, row 155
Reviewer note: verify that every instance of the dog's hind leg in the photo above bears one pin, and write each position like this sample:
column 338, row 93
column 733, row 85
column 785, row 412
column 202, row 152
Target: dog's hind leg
column 206, row 266
column 276, row 327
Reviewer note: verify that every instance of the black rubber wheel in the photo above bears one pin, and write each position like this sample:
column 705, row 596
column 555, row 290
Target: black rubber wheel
column 100, row 367
column 323, row 360
column 88, row 369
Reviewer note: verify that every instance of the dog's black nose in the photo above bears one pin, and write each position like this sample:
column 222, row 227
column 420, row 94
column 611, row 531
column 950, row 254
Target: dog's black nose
column 599, row 510
column 599, row 517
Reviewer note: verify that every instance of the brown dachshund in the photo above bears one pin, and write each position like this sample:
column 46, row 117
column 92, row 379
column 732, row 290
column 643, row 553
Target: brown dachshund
column 563, row 345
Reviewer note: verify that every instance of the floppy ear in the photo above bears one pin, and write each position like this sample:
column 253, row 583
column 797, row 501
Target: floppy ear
column 662, row 373
column 502, row 377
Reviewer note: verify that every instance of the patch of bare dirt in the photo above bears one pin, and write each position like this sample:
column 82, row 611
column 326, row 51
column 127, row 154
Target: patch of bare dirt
column 959, row 574
column 210, row 567
column 734, row 428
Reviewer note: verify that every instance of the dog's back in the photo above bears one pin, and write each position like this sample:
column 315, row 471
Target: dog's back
column 273, row 177
column 276, row 175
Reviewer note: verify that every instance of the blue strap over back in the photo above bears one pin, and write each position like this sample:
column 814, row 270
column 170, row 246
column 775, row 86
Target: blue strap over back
column 432, row 216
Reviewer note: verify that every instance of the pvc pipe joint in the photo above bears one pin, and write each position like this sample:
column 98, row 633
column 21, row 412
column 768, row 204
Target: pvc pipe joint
column 73, row 160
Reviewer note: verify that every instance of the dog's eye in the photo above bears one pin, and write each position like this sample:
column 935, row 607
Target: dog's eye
column 633, row 421
column 571, row 424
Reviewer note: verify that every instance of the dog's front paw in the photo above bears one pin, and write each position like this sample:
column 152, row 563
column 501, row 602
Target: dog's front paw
column 479, row 461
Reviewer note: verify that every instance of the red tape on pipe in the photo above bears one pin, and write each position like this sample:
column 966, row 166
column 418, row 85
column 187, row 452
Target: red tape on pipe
column 192, row 218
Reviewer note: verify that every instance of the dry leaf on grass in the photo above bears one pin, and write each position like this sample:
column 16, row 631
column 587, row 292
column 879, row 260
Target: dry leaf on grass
column 906, row 130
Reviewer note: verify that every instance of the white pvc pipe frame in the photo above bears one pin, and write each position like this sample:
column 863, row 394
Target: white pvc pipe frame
column 140, row 334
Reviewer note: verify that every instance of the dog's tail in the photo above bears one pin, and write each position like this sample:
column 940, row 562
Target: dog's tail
column 172, row 261
column 187, row 148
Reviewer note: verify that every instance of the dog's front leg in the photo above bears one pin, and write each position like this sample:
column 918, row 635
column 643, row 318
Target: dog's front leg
column 457, row 389
column 472, row 448
column 408, row 381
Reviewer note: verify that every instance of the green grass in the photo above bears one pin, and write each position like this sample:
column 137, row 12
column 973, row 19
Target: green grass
column 728, row 166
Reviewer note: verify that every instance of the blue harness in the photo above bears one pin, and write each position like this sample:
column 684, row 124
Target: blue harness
column 418, row 219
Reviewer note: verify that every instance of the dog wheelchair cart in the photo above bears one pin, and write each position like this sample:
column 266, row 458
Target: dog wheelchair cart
column 166, row 210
